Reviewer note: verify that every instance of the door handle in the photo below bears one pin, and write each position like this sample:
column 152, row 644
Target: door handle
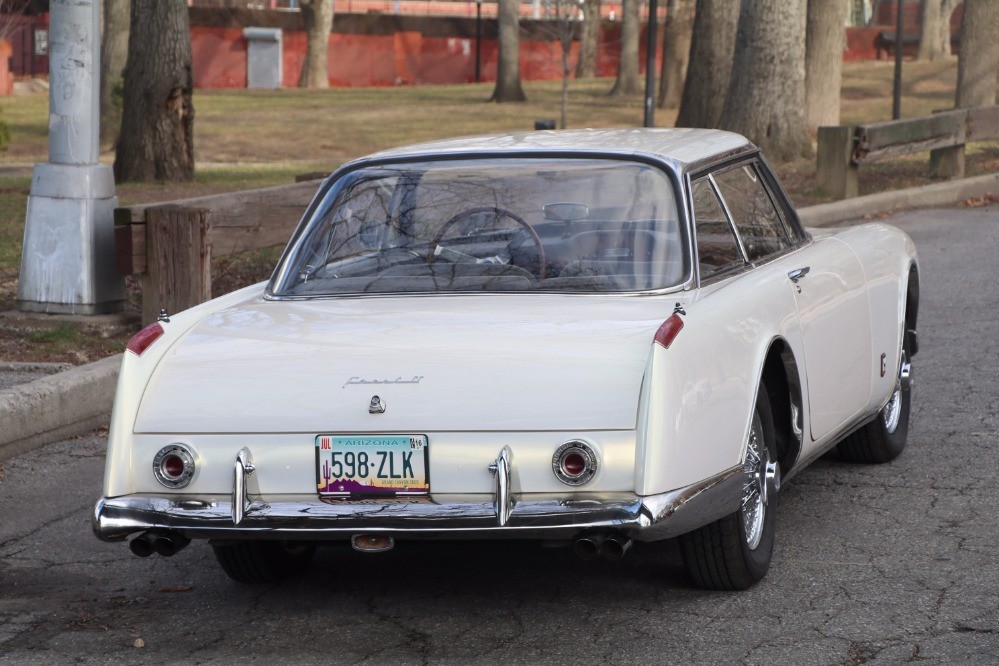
column 798, row 273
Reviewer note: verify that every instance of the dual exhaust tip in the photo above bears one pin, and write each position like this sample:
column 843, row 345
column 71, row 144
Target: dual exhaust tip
column 611, row 548
column 166, row 544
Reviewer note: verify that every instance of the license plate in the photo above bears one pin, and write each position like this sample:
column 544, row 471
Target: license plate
column 372, row 465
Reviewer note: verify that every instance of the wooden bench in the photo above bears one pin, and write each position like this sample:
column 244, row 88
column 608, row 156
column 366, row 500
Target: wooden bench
column 842, row 149
column 171, row 244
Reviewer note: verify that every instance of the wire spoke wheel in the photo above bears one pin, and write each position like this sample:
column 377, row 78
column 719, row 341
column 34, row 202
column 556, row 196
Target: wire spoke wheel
column 753, row 490
column 892, row 412
column 734, row 552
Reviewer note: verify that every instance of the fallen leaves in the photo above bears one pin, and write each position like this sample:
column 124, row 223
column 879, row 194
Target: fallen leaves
column 979, row 202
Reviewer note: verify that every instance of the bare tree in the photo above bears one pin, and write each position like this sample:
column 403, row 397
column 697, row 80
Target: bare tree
column 114, row 53
column 157, row 128
column 711, row 49
column 766, row 95
column 825, row 39
column 10, row 16
column 562, row 27
column 676, row 51
column 508, row 87
column 586, row 65
column 934, row 32
column 318, row 18
column 978, row 57
column 628, row 80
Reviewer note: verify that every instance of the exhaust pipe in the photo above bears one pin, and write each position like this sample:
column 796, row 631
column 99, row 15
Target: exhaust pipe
column 169, row 544
column 141, row 545
column 588, row 547
column 166, row 544
column 614, row 548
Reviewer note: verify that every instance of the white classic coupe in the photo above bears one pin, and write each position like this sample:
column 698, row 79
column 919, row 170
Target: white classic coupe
column 581, row 337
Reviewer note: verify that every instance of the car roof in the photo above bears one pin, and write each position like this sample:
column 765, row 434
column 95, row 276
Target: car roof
column 683, row 147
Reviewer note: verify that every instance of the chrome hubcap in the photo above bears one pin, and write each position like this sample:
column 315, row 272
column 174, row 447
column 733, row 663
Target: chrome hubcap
column 893, row 410
column 761, row 480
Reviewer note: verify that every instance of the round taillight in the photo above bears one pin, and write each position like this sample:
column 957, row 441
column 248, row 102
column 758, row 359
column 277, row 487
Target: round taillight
column 173, row 466
column 574, row 463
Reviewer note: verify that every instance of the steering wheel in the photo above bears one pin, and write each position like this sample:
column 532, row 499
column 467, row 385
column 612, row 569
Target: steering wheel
column 498, row 213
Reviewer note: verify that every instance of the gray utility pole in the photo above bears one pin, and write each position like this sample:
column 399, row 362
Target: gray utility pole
column 67, row 261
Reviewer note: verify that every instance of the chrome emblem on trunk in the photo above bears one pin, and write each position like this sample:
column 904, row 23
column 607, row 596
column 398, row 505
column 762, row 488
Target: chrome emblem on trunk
column 398, row 380
column 377, row 406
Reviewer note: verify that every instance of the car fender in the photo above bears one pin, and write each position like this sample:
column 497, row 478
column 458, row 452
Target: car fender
column 134, row 376
column 699, row 394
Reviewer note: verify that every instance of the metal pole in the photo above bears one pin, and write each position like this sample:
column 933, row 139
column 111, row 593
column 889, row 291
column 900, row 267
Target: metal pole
column 650, row 65
column 896, row 106
column 478, row 40
column 67, row 259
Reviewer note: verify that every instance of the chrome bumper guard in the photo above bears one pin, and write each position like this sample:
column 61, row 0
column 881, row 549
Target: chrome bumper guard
column 245, row 514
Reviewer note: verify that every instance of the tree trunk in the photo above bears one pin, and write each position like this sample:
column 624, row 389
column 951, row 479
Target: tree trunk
column 157, row 128
column 934, row 30
column 766, row 95
column 508, row 87
column 676, row 52
column 628, row 80
column 825, row 38
column 586, row 66
column 566, row 29
column 318, row 18
column 711, row 50
column 114, row 52
column 978, row 57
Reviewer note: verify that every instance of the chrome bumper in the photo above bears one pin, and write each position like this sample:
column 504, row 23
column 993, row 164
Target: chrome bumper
column 503, row 515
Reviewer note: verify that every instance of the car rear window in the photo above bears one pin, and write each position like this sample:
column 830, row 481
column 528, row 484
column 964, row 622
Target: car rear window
column 591, row 225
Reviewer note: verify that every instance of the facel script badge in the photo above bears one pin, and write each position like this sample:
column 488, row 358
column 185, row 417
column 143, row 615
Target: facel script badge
column 415, row 379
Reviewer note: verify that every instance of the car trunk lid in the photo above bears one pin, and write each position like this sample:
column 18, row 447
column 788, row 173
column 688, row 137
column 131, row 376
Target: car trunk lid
column 436, row 363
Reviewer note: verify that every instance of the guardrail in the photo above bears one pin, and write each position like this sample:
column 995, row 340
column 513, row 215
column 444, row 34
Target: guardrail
column 171, row 244
column 842, row 149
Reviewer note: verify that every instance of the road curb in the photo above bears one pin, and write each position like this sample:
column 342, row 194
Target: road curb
column 925, row 196
column 62, row 405
column 77, row 401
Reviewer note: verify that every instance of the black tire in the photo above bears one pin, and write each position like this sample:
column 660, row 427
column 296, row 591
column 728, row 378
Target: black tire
column 719, row 556
column 877, row 441
column 263, row 561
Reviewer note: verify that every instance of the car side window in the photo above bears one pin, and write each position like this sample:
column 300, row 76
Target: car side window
column 717, row 247
column 756, row 219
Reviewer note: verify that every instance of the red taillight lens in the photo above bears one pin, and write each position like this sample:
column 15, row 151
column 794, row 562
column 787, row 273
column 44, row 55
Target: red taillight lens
column 141, row 340
column 573, row 463
column 669, row 330
column 172, row 466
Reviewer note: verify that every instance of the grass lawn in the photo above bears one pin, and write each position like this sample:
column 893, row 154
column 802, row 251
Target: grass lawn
column 252, row 138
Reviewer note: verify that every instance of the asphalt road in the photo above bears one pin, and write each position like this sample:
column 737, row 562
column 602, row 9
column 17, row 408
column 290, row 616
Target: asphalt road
column 882, row 564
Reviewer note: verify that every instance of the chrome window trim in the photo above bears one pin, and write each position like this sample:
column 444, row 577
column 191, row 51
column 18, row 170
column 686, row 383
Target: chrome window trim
column 778, row 197
column 728, row 214
column 668, row 167
column 751, row 163
column 783, row 203
column 450, row 294
column 695, row 255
